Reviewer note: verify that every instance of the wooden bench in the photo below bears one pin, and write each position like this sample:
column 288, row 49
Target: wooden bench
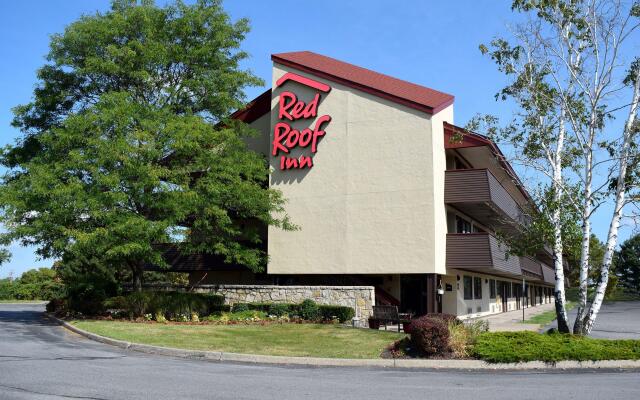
column 389, row 314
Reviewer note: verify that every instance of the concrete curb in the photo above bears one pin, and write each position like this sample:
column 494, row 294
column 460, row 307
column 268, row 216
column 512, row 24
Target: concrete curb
column 468, row 365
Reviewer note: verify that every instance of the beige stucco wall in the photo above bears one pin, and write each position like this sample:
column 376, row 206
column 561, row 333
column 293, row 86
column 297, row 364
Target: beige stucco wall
column 373, row 203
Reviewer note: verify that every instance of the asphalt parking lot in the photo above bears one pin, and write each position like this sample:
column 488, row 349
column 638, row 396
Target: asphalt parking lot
column 616, row 320
column 41, row 360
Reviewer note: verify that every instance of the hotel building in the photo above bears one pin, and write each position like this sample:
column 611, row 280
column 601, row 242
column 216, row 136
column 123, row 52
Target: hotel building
column 387, row 192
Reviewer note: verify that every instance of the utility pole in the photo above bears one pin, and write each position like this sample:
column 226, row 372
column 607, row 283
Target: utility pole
column 522, row 298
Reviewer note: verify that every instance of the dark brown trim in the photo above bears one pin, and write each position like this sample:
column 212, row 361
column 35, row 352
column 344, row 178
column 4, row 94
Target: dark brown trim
column 255, row 109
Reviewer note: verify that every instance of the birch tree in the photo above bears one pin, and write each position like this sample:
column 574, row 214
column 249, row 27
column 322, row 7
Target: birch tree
column 576, row 48
column 628, row 155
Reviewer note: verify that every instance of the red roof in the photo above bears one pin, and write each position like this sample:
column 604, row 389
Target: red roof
column 403, row 92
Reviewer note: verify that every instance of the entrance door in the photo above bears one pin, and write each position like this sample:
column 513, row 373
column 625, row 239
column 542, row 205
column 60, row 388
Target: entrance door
column 413, row 294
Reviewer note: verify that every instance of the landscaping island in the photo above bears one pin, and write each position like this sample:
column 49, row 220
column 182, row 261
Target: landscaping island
column 197, row 321
column 338, row 341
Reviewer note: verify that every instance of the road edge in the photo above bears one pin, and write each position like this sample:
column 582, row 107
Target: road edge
column 220, row 356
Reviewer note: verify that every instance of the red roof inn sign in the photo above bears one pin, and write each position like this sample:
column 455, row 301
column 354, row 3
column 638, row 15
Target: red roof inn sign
column 291, row 109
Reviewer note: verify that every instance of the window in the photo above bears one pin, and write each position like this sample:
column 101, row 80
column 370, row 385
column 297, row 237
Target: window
column 468, row 290
column 477, row 287
column 462, row 225
column 492, row 288
column 454, row 162
column 451, row 222
column 504, row 289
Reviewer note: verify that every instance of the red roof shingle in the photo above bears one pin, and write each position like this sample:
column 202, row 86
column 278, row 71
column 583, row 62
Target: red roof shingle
column 403, row 92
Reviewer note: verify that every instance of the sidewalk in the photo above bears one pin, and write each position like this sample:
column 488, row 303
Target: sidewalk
column 512, row 320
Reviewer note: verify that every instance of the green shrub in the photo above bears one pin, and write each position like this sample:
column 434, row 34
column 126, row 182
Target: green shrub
column 247, row 315
column 87, row 297
column 56, row 305
column 219, row 309
column 508, row 347
column 237, row 316
column 240, row 307
column 116, row 303
column 309, row 310
column 140, row 303
column 279, row 309
column 430, row 335
column 174, row 304
column 342, row 313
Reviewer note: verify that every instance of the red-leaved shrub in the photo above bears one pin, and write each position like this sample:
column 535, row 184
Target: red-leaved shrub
column 430, row 335
column 448, row 318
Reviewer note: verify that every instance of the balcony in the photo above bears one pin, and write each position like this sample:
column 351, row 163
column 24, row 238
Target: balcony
column 481, row 252
column 549, row 275
column 477, row 193
column 532, row 269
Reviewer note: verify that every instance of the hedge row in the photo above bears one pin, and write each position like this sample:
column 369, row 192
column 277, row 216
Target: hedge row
column 168, row 303
column 308, row 310
column 174, row 304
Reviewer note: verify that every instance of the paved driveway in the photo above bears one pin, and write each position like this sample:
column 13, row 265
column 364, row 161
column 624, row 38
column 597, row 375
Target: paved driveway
column 40, row 360
column 616, row 320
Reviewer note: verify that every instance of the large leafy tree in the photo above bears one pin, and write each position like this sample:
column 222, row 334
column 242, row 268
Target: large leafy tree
column 127, row 146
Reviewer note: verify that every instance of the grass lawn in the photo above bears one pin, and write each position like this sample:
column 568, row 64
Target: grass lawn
column 547, row 317
column 530, row 346
column 310, row 340
column 20, row 301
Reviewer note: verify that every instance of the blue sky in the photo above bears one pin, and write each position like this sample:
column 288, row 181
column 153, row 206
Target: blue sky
column 432, row 43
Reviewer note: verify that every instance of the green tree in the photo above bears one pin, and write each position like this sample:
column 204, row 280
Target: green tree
column 127, row 143
column 596, row 255
column 38, row 284
column 566, row 73
column 6, row 289
column 628, row 264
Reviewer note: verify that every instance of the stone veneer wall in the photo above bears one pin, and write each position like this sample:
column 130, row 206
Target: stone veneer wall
column 360, row 298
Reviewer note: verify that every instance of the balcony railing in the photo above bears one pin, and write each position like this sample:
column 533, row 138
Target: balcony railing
column 549, row 275
column 481, row 252
column 477, row 193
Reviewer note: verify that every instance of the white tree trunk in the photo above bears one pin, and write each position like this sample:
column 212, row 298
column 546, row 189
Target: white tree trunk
column 560, row 302
column 586, row 231
column 612, row 236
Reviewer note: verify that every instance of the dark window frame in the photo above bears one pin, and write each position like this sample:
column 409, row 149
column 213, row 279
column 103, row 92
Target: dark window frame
column 467, row 284
column 477, row 287
column 492, row 288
